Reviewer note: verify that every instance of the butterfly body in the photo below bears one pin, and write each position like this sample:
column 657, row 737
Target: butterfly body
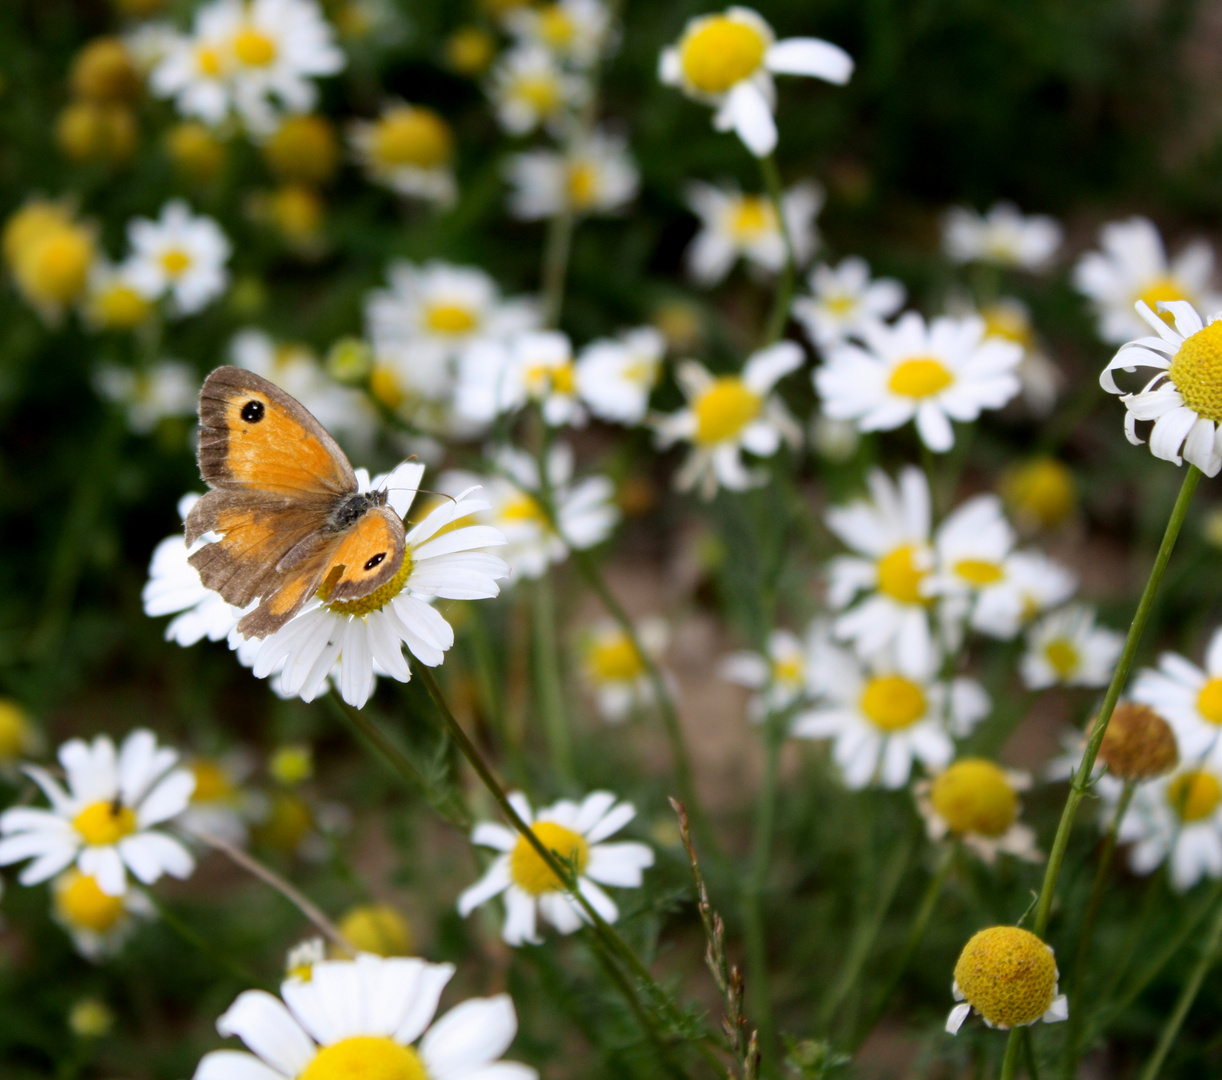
column 286, row 504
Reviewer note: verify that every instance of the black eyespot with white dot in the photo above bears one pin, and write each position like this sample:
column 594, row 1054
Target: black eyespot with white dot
column 376, row 560
column 252, row 412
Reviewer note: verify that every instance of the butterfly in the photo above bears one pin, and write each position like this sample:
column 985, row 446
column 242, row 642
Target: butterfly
column 286, row 504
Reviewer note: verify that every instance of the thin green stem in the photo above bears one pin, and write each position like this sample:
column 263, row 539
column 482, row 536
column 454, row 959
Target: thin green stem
column 199, row 942
column 556, row 265
column 548, row 685
column 1014, row 1046
column 1077, row 1006
column 779, row 316
column 1033, row 1069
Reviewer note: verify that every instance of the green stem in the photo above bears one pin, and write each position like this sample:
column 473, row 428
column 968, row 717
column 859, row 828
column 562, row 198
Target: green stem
column 1082, row 778
column 1077, row 1006
column 198, row 942
column 1208, row 955
column 779, row 316
column 1033, row 1069
column 556, row 265
column 548, row 684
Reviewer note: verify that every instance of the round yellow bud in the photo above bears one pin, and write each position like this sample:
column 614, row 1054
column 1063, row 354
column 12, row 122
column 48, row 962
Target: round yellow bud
column 303, row 149
column 28, row 224
column 91, row 1018
column 1138, row 744
column 974, row 796
column 88, row 131
column 349, row 361
column 378, row 929
column 411, row 135
column 681, row 324
column 53, row 268
column 16, row 731
column 469, row 50
column 103, row 72
column 198, row 155
column 288, row 822
column 297, row 211
column 1008, row 975
column 1040, row 493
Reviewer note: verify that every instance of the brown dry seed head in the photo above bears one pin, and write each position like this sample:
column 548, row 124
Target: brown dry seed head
column 1008, row 975
column 1139, row 743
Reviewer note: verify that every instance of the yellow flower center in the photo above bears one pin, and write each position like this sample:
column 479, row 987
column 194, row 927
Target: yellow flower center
column 979, row 572
column 1209, row 701
column 80, row 902
column 1164, row 289
column 1063, row 656
column 55, row 266
column 899, row 577
column 974, row 796
column 892, row 702
column 385, row 386
column 724, row 409
column 614, row 659
column 788, row 670
column 841, row 306
column 208, row 60
column 379, row 598
column 365, row 1057
column 453, row 319
column 540, row 92
column 527, row 868
column 175, row 261
column 120, row 306
column 556, row 29
column 1009, row 323
column 211, row 783
column 105, row 822
column 1194, row 795
column 919, row 377
column 254, row 48
column 14, row 730
column 1041, row 490
column 378, row 929
column 751, row 217
column 1008, row 975
column 721, row 52
column 523, row 507
column 412, row 136
column 582, row 184
column 1196, row 371
column 543, row 379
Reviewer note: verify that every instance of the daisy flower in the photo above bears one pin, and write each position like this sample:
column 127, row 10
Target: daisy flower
column 1190, row 698
column 615, row 376
column 434, row 311
column 843, row 299
column 105, row 823
column 1066, row 648
column 883, row 719
column 99, row 924
column 575, row 31
column 734, row 225
column 499, row 377
column 191, row 68
column 594, row 174
column 1004, row 236
column 1182, row 398
column 166, row 389
column 1133, row 266
column 1009, row 320
column 112, row 301
column 778, row 677
column 530, row 90
column 219, row 805
column 365, row 1017
column 884, row 590
column 1177, row 817
column 1030, row 584
column 727, row 414
column 365, row 637
column 575, row 833
column 1010, row 977
column 976, row 801
column 409, row 149
column 182, row 255
column 728, row 60
column 932, row 374
column 614, row 668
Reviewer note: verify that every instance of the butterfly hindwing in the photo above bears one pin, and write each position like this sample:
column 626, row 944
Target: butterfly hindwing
column 369, row 555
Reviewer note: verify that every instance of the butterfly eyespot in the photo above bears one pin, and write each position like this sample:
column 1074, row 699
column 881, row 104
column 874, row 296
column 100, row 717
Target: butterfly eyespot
column 252, row 412
column 376, row 560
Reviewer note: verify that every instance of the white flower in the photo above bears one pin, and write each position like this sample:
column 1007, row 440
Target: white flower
column 499, row 377
column 615, row 376
column 1188, row 698
column 883, row 717
column 614, row 668
column 409, row 149
column 885, row 589
column 727, row 414
column 592, row 175
column 1133, row 266
column 1030, row 583
column 934, row 374
column 728, row 61
column 573, row 30
column 1066, row 648
column 99, row 924
column 735, row 225
column 365, row 637
column 360, row 1018
column 167, row 388
column 779, row 678
column 112, row 301
column 255, row 58
column 574, row 832
column 1178, row 815
column 1181, row 398
column 433, row 312
column 220, row 806
column 106, row 821
column 181, row 254
column 585, row 510
column 1003, row 236
column 843, row 299
column 1009, row 320
column 531, row 90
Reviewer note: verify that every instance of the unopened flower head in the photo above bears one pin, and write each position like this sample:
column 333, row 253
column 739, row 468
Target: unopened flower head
column 615, row 376
column 843, row 299
column 180, row 255
column 734, row 225
column 931, row 374
column 728, row 414
column 615, row 668
column 1138, row 744
column 1067, row 648
column 1040, row 493
column 976, row 801
column 1133, row 266
column 728, row 60
column 106, row 821
column 50, row 255
column 1188, row 697
column 592, row 175
column 303, row 150
column 378, row 929
column 1176, row 817
column 1009, row 976
column 575, row 833
column 409, row 149
column 1004, row 236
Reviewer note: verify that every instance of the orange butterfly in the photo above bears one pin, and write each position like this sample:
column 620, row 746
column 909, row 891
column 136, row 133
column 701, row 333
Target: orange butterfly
column 285, row 500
